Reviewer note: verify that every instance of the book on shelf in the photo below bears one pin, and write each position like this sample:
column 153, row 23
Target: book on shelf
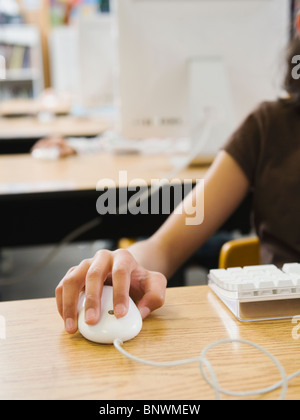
column 16, row 56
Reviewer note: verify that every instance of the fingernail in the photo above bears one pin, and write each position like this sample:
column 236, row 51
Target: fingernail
column 144, row 312
column 70, row 324
column 120, row 310
column 90, row 315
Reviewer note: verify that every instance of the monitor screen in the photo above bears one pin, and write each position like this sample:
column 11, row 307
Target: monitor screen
column 181, row 60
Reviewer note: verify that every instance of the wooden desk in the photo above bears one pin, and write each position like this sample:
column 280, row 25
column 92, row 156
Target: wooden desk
column 42, row 201
column 82, row 172
column 38, row 360
column 32, row 127
column 21, row 107
column 17, row 135
column 51, row 198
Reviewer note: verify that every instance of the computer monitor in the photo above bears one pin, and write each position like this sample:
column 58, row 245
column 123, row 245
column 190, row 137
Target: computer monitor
column 179, row 59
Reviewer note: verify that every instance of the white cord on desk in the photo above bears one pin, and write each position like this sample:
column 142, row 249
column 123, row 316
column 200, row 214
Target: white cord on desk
column 212, row 381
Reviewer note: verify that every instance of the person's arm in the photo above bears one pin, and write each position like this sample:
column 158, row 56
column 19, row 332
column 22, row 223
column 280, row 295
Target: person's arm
column 141, row 271
column 225, row 186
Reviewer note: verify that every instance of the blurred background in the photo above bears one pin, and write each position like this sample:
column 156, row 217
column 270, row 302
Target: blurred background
column 150, row 70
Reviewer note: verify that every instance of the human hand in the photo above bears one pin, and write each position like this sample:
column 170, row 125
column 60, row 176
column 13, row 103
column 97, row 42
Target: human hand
column 58, row 142
column 118, row 268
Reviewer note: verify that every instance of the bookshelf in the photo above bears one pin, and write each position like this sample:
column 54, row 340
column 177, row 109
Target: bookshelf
column 21, row 47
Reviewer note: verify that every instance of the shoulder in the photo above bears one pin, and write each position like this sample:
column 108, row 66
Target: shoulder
column 247, row 142
column 274, row 110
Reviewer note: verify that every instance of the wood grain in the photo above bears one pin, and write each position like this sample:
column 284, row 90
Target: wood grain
column 38, row 360
column 85, row 170
column 32, row 127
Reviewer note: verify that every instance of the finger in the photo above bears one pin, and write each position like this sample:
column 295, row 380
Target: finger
column 154, row 296
column 71, row 286
column 66, row 150
column 95, row 278
column 58, row 295
column 58, row 292
column 123, row 265
column 39, row 143
column 54, row 141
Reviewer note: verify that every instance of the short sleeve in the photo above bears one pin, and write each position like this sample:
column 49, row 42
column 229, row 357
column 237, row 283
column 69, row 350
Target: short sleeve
column 244, row 145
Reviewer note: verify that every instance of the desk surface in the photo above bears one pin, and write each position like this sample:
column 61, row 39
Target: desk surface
column 17, row 107
column 68, row 126
column 38, row 360
column 84, row 171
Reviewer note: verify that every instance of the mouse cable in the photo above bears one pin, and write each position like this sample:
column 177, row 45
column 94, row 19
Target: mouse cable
column 212, row 380
column 123, row 208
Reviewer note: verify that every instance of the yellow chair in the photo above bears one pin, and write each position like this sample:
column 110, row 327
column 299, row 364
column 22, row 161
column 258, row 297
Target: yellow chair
column 125, row 243
column 240, row 252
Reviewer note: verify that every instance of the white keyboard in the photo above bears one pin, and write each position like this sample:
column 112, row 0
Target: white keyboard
column 261, row 282
column 262, row 292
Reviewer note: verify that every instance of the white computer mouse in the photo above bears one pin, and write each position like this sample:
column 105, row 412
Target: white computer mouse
column 46, row 153
column 108, row 328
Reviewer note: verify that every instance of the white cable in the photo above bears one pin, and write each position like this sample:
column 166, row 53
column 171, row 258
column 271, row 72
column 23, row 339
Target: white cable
column 212, row 381
column 261, row 391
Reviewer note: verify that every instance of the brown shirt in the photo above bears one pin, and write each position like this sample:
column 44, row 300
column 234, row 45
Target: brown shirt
column 267, row 148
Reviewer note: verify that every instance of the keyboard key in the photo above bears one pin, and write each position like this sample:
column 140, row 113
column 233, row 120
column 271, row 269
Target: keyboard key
column 234, row 270
column 291, row 268
column 266, row 284
column 258, row 280
column 266, row 267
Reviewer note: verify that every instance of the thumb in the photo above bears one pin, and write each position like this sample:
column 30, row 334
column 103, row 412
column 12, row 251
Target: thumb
column 154, row 296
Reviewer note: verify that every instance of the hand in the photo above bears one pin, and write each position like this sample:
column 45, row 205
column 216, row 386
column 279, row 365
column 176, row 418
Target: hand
column 64, row 149
column 118, row 268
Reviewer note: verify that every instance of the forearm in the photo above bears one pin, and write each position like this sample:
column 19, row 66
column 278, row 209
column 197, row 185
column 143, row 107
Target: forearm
column 144, row 269
column 224, row 188
column 152, row 255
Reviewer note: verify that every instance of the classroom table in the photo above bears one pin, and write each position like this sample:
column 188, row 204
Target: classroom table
column 42, row 201
column 83, row 171
column 18, row 107
column 19, row 134
column 39, row 360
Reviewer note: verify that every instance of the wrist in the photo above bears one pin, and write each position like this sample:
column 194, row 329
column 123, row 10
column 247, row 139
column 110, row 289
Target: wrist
column 150, row 255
